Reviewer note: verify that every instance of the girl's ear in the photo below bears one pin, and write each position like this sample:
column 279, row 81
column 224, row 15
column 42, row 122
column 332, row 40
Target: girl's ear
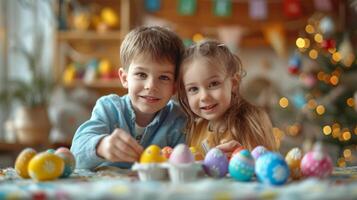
column 235, row 82
column 123, row 75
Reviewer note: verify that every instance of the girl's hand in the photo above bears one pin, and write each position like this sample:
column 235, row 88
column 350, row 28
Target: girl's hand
column 119, row 147
column 228, row 147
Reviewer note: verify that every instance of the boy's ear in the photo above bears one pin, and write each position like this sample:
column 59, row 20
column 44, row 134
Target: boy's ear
column 123, row 75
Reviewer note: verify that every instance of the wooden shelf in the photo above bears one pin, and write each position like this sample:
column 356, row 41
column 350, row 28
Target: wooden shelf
column 96, row 84
column 89, row 35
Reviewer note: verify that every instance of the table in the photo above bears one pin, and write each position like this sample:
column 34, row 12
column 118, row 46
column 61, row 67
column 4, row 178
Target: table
column 123, row 184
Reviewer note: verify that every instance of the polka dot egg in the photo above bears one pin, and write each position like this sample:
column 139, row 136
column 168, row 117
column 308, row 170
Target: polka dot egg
column 293, row 159
column 241, row 166
column 22, row 162
column 316, row 164
column 215, row 163
column 45, row 166
column 258, row 151
column 69, row 161
column 271, row 168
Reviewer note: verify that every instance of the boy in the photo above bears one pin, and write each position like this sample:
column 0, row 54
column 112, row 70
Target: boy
column 121, row 127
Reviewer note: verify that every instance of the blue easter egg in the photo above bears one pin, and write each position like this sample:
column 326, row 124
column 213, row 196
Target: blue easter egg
column 241, row 166
column 271, row 168
column 215, row 163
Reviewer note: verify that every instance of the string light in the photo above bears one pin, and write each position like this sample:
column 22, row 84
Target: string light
column 320, row 109
column 334, row 80
column 336, row 56
column 350, row 102
column 320, row 75
column 355, row 130
column 347, row 153
column 346, row 135
column 327, row 130
column 313, row 54
column 310, row 29
column 318, row 38
column 331, row 50
column 311, row 104
column 284, row 102
column 300, row 43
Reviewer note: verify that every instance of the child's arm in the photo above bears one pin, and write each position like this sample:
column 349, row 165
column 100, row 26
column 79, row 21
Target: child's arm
column 229, row 147
column 119, row 147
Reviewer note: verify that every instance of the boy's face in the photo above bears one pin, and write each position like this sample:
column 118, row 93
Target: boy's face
column 150, row 84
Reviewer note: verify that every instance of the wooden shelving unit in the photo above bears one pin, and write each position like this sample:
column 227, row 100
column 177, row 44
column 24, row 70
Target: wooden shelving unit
column 75, row 45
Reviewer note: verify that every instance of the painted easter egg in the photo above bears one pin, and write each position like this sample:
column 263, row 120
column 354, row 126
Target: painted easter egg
column 316, row 164
column 45, row 166
column 198, row 156
column 237, row 150
column 22, row 162
column 271, row 168
column 293, row 159
column 152, row 154
column 69, row 161
column 215, row 163
column 181, row 154
column 241, row 166
column 258, row 151
column 166, row 152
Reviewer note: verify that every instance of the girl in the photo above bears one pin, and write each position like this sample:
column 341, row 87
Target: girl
column 217, row 114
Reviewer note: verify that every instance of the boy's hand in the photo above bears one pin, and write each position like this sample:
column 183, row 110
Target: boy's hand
column 228, row 147
column 119, row 147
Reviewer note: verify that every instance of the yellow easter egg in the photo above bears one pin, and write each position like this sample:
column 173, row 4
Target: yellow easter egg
column 198, row 156
column 293, row 159
column 152, row 154
column 46, row 166
column 109, row 16
column 22, row 162
column 81, row 21
column 104, row 67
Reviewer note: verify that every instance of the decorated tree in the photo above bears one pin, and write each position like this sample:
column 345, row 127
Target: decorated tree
column 325, row 106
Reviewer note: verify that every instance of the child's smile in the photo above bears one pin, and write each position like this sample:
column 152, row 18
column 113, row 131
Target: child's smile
column 209, row 94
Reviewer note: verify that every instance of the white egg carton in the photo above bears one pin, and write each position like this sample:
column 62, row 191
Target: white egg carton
column 151, row 171
column 186, row 172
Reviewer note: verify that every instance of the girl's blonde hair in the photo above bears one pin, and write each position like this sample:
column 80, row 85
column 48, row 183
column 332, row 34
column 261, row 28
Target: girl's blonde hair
column 248, row 124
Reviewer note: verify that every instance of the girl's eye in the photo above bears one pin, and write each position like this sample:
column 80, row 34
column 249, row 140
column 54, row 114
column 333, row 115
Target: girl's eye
column 214, row 84
column 164, row 78
column 192, row 90
column 141, row 75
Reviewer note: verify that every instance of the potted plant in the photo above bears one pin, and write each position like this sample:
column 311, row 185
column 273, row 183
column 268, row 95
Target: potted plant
column 30, row 120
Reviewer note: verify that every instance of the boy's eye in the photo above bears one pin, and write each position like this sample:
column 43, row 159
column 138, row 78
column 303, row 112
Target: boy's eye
column 141, row 75
column 192, row 90
column 214, row 84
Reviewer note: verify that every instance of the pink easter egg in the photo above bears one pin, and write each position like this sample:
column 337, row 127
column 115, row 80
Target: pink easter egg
column 316, row 164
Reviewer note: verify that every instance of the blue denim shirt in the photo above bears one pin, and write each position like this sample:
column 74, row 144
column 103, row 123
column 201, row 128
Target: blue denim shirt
column 113, row 111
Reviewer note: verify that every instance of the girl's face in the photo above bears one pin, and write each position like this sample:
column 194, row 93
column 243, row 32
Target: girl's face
column 208, row 88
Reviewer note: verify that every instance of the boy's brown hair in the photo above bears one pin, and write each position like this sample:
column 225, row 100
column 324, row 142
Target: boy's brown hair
column 159, row 43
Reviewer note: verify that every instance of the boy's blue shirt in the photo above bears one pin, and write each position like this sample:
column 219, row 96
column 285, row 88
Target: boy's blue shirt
column 113, row 111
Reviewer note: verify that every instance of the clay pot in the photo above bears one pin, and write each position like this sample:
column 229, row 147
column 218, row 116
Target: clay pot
column 32, row 125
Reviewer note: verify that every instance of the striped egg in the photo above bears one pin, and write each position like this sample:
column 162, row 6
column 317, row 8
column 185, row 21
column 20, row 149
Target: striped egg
column 241, row 166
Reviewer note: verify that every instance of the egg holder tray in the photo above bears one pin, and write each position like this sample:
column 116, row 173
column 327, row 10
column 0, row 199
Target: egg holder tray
column 177, row 173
